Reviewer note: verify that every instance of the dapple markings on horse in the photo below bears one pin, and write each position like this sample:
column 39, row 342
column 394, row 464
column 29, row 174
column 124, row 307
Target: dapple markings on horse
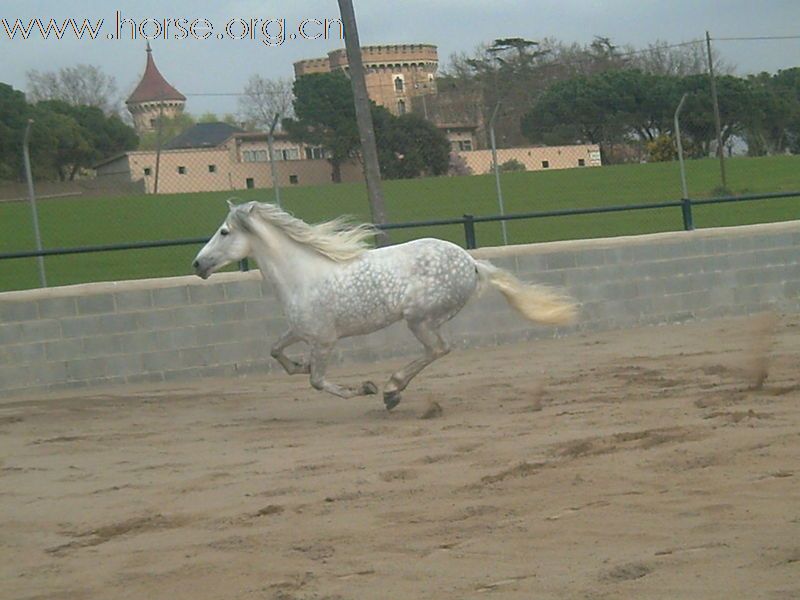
column 331, row 285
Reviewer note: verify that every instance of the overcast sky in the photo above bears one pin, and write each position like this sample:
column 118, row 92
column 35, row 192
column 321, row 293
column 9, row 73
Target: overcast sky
column 214, row 66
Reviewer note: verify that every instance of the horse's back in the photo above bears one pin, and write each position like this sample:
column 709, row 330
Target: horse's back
column 440, row 277
column 425, row 279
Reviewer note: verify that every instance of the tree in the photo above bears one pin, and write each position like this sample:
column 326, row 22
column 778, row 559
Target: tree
column 79, row 85
column 697, row 118
column 629, row 106
column 262, row 99
column 661, row 58
column 14, row 112
column 325, row 116
column 787, row 83
column 67, row 139
column 516, row 72
column 210, row 117
column 773, row 123
column 508, row 71
column 578, row 110
column 409, row 146
column 57, row 143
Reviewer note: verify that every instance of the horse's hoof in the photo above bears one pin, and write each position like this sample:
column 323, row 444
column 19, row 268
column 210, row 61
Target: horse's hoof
column 368, row 388
column 391, row 399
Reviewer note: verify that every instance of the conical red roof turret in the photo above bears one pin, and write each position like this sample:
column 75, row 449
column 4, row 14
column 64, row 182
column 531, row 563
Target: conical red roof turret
column 153, row 87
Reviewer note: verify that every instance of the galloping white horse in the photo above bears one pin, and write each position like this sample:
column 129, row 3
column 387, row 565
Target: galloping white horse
column 332, row 285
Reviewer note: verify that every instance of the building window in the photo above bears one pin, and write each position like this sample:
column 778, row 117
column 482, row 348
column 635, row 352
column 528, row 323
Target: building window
column 398, row 84
column 545, row 164
column 262, row 155
column 293, row 179
column 465, row 145
column 581, row 162
column 247, row 156
column 250, row 183
column 153, row 123
column 181, row 170
column 401, row 107
column 212, row 168
column 147, row 171
column 315, row 153
column 289, row 154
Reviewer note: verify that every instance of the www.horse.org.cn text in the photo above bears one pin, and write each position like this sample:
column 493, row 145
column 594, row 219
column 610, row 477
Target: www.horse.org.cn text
column 268, row 31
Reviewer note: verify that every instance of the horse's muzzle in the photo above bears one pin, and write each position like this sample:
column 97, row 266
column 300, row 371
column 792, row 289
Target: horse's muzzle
column 200, row 272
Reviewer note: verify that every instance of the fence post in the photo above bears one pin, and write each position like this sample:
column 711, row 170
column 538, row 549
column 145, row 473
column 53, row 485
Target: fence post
column 686, row 209
column 469, row 232
column 276, row 186
column 26, row 157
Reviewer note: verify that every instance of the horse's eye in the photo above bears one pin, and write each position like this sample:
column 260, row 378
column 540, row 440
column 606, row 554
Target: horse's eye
column 224, row 232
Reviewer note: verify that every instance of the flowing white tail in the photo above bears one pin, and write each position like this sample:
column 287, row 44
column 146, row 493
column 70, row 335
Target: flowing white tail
column 538, row 303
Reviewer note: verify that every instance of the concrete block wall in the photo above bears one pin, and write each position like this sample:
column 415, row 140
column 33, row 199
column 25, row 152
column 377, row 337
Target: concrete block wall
column 181, row 328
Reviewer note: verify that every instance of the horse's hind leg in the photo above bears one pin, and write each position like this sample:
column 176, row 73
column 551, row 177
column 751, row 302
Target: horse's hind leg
column 292, row 367
column 435, row 347
column 319, row 362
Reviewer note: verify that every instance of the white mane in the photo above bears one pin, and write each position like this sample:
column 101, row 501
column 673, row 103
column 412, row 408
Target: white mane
column 337, row 239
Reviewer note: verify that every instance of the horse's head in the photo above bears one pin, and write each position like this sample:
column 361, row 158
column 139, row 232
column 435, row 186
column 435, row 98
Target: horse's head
column 229, row 243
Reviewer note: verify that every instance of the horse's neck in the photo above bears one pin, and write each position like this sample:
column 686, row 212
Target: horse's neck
column 289, row 265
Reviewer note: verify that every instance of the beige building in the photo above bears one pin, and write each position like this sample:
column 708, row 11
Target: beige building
column 240, row 161
column 221, row 157
column 536, row 158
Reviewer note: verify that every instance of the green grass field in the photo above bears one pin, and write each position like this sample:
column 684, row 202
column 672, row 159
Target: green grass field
column 89, row 221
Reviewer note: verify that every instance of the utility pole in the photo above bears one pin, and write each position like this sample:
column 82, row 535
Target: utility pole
column 717, row 122
column 369, row 150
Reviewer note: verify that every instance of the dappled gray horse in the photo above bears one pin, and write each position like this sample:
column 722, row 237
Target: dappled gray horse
column 332, row 285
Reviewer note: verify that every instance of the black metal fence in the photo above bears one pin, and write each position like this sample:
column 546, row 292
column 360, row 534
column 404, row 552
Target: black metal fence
column 467, row 221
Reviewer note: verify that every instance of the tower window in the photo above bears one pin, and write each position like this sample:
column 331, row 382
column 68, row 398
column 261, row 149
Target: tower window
column 212, row 168
column 182, row 170
column 398, row 84
column 147, row 171
column 401, row 107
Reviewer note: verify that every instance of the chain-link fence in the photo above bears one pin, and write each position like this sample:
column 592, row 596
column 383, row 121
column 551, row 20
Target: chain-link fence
column 498, row 152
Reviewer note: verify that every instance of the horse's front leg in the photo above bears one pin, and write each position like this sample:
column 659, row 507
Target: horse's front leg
column 319, row 362
column 292, row 367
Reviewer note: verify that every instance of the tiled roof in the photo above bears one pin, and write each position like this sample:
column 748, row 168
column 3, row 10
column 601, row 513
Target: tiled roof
column 153, row 86
column 202, row 135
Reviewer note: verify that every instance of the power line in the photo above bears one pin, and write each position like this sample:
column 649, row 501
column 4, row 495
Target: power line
column 754, row 38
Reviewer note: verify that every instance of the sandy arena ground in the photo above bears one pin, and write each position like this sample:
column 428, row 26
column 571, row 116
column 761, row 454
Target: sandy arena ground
column 647, row 463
